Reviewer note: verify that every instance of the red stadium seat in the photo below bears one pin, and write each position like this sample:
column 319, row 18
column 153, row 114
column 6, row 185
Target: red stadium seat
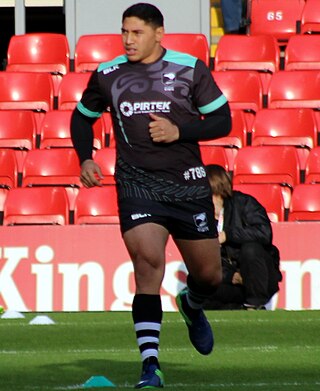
column 243, row 89
column 26, row 91
column 294, row 89
column 279, row 18
column 71, row 88
column 212, row 154
column 312, row 173
column 8, row 169
column 96, row 205
column 93, row 49
column 244, row 52
column 55, row 131
column 106, row 159
column 17, row 129
column 296, row 127
column 268, row 164
column 194, row 44
column 302, row 52
column 40, row 52
column 53, row 167
column 305, row 203
column 310, row 18
column 269, row 195
column 29, row 206
column 236, row 139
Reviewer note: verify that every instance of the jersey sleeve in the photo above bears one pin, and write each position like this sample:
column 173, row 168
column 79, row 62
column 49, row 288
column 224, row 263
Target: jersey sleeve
column 207, row 95
column 92, row 103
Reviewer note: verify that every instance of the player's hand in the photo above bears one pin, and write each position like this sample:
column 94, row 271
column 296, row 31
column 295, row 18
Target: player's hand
column 162, row 130
column 90, row 174
column 237, row 279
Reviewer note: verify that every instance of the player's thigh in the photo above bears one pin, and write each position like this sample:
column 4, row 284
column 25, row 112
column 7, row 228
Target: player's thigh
column 202, row 258
column 146, row 243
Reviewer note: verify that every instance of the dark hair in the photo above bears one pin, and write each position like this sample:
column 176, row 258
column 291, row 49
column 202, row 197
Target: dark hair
column 149, row 13
column 220, row 181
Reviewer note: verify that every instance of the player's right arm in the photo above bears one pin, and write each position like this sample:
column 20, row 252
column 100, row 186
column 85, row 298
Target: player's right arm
column 82, row 138
column 88, row 110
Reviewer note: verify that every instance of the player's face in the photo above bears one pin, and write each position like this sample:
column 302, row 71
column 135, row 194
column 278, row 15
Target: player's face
column 142, row 42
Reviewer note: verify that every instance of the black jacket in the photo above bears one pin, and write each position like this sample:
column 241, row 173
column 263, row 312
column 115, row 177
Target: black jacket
column 245, row 220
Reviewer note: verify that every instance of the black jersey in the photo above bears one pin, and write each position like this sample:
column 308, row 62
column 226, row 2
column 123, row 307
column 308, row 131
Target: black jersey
column 177, row 86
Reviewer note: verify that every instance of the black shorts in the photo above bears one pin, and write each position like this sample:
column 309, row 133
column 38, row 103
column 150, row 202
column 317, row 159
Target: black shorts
column 190, row 220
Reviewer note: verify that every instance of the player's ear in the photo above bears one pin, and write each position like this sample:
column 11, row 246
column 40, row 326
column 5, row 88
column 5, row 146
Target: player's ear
column 159, row 34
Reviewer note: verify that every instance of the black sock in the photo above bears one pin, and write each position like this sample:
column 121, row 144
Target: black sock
column 147, row 317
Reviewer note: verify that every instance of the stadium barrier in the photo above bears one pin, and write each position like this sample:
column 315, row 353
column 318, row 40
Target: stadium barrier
column 87, row 268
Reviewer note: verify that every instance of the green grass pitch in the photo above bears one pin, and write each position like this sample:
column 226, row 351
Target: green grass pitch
column 254, row 351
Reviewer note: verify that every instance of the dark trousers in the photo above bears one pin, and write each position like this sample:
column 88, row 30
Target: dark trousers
column 260, row 280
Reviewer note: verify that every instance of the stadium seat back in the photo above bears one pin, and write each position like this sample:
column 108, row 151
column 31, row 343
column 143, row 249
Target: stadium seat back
column 55, row 131
column 29, row 206
column 93, row 49
column 212, row 154
column 312, row 172
column 96, row 205
column 268, row 164
column 18, row 129
column 302, row 53
column 243, row 89
column 71, row 89
column 8, row 169
column 39, row 52
column 305, row 203
column 245, row 52
column 26, row 91
column 279, row 18
column 270, row 197
column 294, row 89
column 310, row 18
column 106, row 159
column 285, row 126
column 194, row 44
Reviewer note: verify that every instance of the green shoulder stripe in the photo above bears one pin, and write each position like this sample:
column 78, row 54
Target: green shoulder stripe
column 116, row 61
column 180, row 58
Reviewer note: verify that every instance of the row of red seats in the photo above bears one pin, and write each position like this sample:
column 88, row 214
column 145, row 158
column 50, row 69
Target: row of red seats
column 252, row 165
column 243, row 89
column 293, row 126
column 98, row 205
column 283, row 18
column 262, row 53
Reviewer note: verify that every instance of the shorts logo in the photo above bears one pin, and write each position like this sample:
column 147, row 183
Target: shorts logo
column 201, row 222
column 128, row 109
column 169, row 79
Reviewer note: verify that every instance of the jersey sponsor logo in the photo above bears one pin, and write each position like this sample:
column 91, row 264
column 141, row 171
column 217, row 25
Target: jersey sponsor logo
column 111, row 69
column 168, row 79
column 128, row 109
column 137, row 216
column 201, row 222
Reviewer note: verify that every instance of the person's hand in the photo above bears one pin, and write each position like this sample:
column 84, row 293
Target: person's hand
column 90, row 174
column 222, row 237
column 162, row 130
column 237, row 279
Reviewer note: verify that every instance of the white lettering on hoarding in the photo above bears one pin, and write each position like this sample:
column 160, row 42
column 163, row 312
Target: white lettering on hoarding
column 295, row 271
column 85, row 282
column 72, row 274
column 8, row 288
